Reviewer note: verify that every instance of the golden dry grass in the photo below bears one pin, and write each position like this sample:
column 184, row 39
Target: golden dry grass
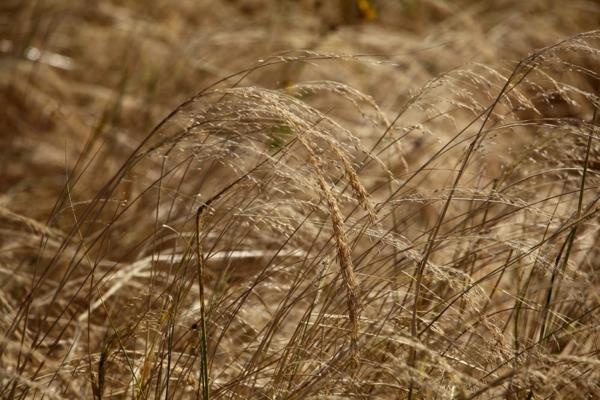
column 299, row 199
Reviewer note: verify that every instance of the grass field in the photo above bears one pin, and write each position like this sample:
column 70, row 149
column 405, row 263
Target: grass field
column 277, row 199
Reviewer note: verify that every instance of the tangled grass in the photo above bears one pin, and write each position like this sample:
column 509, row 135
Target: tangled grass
column 302, row 241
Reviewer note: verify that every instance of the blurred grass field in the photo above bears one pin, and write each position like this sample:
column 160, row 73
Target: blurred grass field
column 277, row 199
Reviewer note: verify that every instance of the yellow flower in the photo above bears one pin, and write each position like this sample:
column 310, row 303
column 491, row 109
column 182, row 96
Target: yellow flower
column 367, row 10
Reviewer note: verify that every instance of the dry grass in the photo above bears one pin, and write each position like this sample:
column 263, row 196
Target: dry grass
column 371, row 199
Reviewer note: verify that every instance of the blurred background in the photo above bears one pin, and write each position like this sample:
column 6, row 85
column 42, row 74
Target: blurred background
column 112, row 68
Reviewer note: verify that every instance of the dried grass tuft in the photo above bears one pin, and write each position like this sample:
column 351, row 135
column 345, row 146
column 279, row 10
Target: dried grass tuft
column 152, row 251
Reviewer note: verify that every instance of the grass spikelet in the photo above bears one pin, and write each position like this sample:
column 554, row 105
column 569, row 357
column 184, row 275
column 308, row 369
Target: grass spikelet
column 344, row 254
